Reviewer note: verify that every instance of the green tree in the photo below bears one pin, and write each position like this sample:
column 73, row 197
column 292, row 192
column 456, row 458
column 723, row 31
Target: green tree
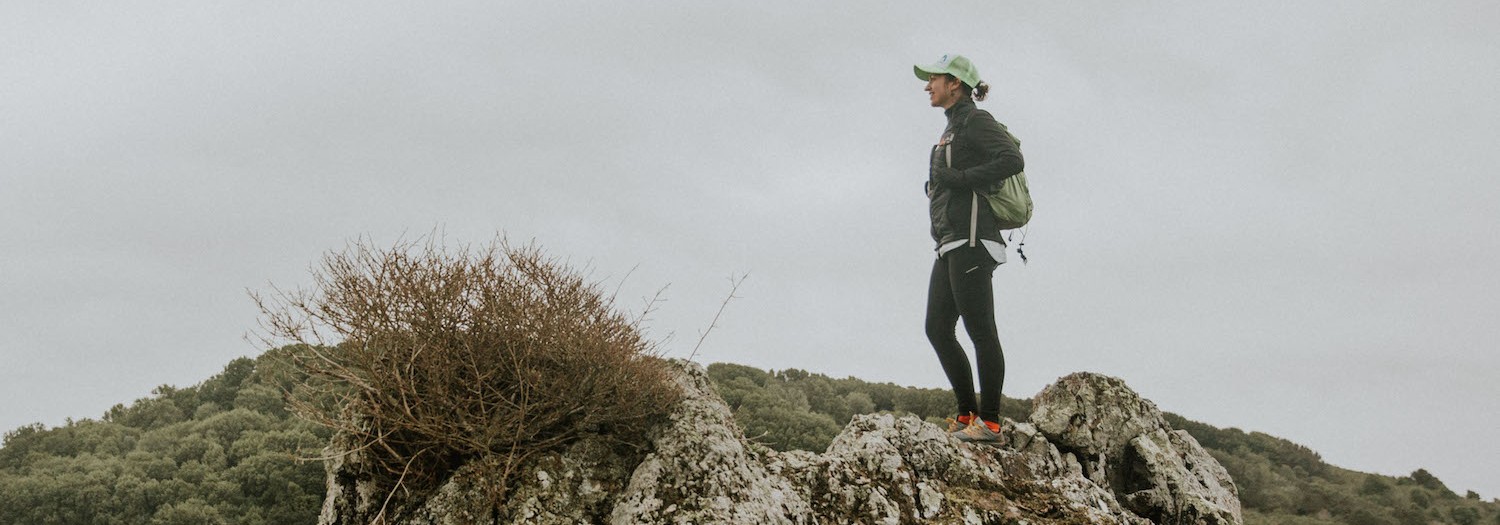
column 222, row 389
column 926, row 403
column 1374, row 485
column 1463, row 515
column 262, row 399
column 1410, row 515
column 821, row 397
column 190, row 512
column 858, row 403
column 779, row 416
column 1426, row 479
column 725, row 372
column 1421, row 498
column 153, row 413
column 1367, row 517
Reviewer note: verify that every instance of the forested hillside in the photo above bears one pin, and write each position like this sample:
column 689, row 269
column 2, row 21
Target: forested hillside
column 227, row 451
column 224, row 451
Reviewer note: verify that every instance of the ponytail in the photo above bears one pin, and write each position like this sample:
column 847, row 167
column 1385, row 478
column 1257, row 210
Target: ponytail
column 980, row 90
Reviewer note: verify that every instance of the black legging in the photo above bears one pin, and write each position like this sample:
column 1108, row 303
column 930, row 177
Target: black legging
column 960, row 287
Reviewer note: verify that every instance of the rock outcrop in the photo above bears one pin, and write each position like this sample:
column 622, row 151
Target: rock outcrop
column 1094, row 452
column 1122, row 441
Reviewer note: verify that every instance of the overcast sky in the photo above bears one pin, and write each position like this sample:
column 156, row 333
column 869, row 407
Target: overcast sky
column 1277, row 216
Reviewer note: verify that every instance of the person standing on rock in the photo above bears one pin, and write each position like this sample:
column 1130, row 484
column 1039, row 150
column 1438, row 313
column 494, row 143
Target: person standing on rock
column 973, row 155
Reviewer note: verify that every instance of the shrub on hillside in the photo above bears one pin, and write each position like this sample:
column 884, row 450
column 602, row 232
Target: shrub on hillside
column 426, row 357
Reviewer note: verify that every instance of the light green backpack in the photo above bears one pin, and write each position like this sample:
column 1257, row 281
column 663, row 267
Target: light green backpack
column 1011, row 202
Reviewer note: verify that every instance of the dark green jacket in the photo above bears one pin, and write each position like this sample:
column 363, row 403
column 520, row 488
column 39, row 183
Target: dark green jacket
column 985, row 154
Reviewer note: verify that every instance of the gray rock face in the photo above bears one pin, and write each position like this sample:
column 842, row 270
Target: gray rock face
column 1122, row 442
column 881, row 469
column 889, row 470
column 703, row 472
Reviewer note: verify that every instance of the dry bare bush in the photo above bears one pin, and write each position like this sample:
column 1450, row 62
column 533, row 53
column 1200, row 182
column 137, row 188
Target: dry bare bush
column 429, row 357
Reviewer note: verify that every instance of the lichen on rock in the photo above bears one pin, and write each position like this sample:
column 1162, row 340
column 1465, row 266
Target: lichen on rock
column 1125, row 444
column 1093, row 452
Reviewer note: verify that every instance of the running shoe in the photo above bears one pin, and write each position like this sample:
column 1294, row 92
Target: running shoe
column 979, row 431
column 956, row 424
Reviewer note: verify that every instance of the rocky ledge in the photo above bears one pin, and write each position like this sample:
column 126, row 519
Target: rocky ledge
column 1093, row 452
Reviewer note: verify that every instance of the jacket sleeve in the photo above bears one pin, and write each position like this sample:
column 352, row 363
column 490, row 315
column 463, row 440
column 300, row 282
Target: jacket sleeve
column 1001, row 157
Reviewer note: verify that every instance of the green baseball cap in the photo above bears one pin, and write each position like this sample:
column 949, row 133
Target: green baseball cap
column 956, row 65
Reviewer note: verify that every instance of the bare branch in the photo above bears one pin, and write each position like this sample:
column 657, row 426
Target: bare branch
column 734, row 286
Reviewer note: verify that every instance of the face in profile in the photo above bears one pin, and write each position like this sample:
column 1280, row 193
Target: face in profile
column 942, row 90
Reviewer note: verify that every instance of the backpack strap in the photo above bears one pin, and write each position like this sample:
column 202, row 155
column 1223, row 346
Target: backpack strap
column 974, row 219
